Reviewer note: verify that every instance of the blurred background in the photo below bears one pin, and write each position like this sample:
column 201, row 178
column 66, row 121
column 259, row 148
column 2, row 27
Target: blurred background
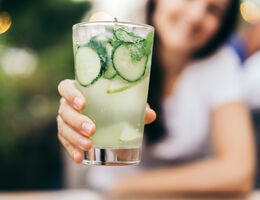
column 35, row 55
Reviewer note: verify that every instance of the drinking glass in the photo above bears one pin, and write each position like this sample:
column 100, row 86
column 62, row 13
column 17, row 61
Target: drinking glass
column 112, row 70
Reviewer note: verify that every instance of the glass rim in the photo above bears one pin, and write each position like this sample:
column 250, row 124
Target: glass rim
column 82, row 24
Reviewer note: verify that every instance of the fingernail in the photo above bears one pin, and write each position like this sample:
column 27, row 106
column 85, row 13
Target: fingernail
column 83, row 142
column 78, row 102
column 76, row 155
column 150, row 110
column 87, row 127
column 62, row 100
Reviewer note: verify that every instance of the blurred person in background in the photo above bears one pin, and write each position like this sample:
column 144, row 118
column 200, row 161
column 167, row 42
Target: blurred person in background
column 201, row 141
column 247, row 42
column 251, row 80
column 251, row 39
column 250, row 46
column 247, row 46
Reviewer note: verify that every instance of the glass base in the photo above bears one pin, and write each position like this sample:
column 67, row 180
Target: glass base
column 112, row 157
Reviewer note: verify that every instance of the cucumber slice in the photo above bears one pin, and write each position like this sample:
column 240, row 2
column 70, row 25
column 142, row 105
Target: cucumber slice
column 110, row 72
column 127, row 68
column 100, row 49
column 88, row 65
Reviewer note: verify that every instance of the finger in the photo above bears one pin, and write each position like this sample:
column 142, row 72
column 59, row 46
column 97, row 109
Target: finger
column 73, row 152
column 76, row 120
column 74, row 138
column 150, row 115
column 68, row 90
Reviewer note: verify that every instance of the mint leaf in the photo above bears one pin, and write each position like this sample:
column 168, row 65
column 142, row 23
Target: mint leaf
column 148, row 43
column 137, row 51
column 114, row 42
column 125, row 35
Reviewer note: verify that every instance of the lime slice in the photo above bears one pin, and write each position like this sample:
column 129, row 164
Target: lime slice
column 119, row 85
column 111, row 91
column 129, row 134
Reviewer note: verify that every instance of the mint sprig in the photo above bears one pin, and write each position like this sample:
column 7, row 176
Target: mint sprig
column 138, row 46
column 124, row 35
column 148, row 43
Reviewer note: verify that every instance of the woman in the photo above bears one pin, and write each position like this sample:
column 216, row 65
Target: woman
column 198, row 102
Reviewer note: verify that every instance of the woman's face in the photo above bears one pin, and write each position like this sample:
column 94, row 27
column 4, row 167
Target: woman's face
column 187, row 25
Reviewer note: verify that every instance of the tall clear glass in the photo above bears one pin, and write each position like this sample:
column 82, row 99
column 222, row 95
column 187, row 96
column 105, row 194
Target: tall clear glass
column 112, row 69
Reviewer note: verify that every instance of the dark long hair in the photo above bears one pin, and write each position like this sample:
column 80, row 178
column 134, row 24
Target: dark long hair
column 156, row 131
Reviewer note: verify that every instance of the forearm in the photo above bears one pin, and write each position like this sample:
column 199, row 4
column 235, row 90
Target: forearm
column 207, row 176
column 231, row 170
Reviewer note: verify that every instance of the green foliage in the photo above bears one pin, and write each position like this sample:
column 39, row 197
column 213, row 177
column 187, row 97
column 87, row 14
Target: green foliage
column 42, row 23
column 28, row 104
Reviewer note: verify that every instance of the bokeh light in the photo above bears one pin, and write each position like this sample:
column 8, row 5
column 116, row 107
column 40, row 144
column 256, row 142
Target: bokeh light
column 5, row 22
column 100, row 16
column 19, row 62
column 250, row 11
